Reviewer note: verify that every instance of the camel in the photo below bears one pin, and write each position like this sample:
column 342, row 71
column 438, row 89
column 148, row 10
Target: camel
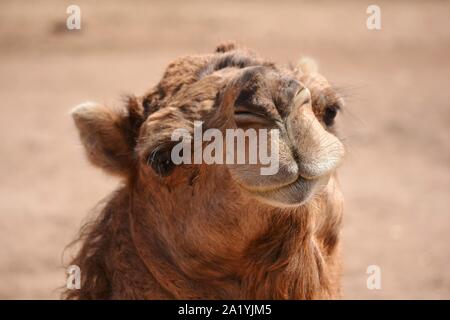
column 199, row 231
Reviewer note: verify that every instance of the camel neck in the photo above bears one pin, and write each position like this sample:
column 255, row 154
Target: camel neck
column 209, row 252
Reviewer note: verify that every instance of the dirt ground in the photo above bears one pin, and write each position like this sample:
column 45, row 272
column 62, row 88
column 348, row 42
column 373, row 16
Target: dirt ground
column 396, row 124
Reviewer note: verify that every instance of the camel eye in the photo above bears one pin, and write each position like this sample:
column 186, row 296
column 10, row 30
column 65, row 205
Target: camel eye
column 160, row 160
column 330, row 114
column 247, row 115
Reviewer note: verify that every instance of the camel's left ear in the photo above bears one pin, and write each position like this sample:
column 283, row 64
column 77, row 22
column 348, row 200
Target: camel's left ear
column 107, row 135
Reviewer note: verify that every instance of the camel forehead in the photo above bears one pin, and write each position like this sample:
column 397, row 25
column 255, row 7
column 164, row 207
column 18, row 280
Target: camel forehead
column 269, row 89
column 188, row 72
column 211, row 72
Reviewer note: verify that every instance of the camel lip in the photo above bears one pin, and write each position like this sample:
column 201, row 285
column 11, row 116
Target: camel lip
column 291, row 195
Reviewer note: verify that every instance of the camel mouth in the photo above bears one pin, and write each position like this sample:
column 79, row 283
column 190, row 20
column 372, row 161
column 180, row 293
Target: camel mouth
column 294, row 194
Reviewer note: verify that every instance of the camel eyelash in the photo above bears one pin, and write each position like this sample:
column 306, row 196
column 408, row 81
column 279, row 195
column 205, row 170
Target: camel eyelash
column 246, row 113
column 245, row 117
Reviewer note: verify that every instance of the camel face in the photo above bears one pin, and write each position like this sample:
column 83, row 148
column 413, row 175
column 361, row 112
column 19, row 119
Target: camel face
column 307, row 152
column 254, row 98
column 224, row 92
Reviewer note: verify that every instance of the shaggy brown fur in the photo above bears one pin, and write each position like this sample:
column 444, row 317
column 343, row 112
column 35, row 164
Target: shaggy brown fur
column 190, row 231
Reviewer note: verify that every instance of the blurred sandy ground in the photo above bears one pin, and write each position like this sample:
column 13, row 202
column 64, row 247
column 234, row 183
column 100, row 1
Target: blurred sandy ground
column 396, row 178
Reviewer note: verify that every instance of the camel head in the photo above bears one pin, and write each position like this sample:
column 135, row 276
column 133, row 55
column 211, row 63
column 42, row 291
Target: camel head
column 224, row 91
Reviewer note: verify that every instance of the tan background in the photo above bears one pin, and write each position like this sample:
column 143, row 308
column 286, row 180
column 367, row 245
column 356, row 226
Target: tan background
column 396, row 125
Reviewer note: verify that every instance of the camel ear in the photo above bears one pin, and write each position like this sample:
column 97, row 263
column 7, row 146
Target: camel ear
column 308, row 66
column 105, row 135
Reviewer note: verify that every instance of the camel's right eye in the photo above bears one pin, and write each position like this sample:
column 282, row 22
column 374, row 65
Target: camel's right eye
column 330, row 114
column 161, row 162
